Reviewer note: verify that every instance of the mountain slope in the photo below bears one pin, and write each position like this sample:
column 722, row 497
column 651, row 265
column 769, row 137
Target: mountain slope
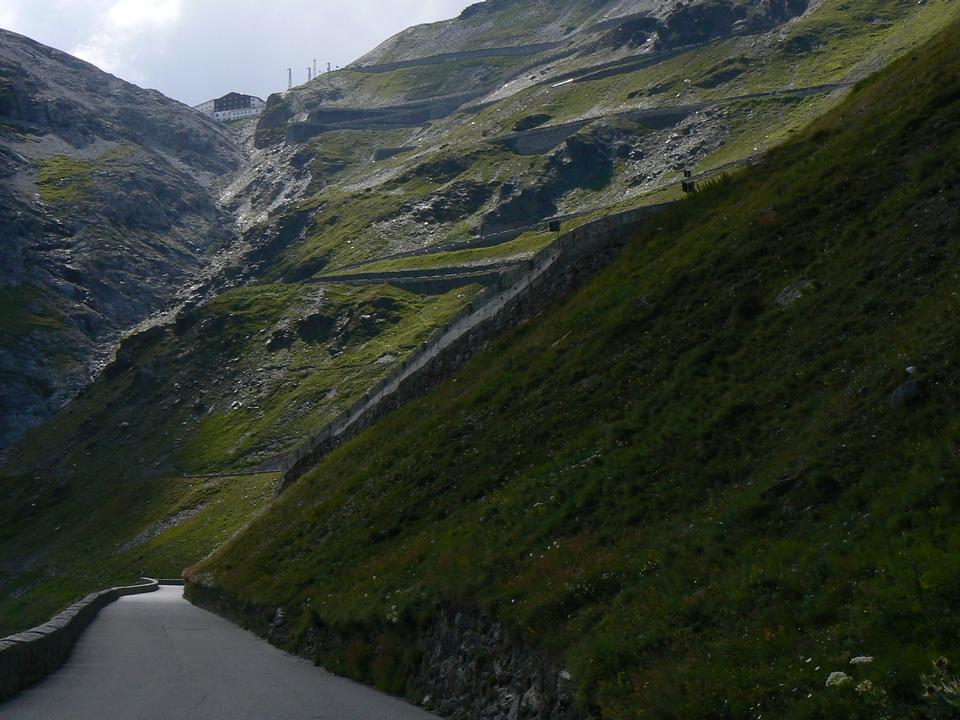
column 108, row 209
column 566, row 23
column 703, row 484
column 370, row 211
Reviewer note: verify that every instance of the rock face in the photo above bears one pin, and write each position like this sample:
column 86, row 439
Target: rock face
column 108, row 209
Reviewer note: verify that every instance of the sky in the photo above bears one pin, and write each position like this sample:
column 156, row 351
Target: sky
column 196, row 50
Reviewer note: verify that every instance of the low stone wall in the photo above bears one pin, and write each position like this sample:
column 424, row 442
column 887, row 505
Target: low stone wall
column 28, row 657
column 461, row 664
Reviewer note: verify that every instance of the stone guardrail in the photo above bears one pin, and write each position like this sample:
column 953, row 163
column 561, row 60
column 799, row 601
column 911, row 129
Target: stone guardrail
column 28, row 657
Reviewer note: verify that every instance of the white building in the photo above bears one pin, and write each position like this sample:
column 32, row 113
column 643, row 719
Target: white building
column 232, row 106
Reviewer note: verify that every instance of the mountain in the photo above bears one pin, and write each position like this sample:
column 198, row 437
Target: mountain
column 108, row 209
column 583, row 27
column 697, row 488
column 365, row 230
column 392, row 220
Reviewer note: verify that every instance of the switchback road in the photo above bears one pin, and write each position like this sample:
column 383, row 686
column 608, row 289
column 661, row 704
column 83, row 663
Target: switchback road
column 157, row 657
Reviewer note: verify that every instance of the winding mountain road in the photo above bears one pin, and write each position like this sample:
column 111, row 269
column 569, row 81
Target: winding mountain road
column 157, row 657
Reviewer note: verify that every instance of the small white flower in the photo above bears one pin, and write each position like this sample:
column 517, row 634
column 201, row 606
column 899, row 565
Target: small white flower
column 838, row 679
column 865, row 687
column 861, row 660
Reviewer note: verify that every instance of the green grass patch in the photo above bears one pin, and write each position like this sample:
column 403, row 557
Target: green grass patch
column 64, row 180
column 529, row 243
column 23, row 309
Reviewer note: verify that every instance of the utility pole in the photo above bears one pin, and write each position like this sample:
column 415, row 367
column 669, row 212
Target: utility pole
column 308, row 74
column 328, row 67
column 289, row 78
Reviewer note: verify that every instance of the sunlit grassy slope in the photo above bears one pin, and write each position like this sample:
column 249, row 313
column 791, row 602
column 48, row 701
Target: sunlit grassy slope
column 688, row 480
column 73, row 540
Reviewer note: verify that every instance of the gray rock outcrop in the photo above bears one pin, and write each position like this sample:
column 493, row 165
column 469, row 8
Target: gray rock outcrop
column 108, row 210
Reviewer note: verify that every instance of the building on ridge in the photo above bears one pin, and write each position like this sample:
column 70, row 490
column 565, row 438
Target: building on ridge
column 232, row 106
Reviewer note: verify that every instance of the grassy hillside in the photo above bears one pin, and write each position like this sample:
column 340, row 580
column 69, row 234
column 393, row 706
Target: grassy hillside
column 694, row 481
column 70, row 539
column 241, row 379
column 237, row 381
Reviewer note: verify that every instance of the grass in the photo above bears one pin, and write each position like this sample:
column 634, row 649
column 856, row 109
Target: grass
column 108, row 533
column 216, row 398
column 758, row 125
column 686, row 481
column 63, row 180
column 111, row 465
column 23, row 309
column 527, row 244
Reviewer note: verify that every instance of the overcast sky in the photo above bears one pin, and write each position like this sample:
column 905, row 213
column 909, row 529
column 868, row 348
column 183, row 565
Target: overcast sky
column 194, row 50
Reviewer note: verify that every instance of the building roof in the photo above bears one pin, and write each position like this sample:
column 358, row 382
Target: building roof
column 230, row 100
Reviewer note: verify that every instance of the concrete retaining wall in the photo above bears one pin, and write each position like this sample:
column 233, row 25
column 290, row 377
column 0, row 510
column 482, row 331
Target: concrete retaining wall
column 28, row 657
column 541, row 280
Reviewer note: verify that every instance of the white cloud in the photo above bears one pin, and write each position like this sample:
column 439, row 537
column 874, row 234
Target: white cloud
column 125, row 31
column 130, row 15
column 10, row 14
column 197, row 49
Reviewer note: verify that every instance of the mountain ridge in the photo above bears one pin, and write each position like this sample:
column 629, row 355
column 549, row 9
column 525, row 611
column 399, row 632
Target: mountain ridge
column 106, row 189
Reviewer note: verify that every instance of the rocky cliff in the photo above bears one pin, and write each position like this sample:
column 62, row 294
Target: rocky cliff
column 108, row 208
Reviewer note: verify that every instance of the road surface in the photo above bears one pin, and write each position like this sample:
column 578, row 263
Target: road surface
column 157, row 657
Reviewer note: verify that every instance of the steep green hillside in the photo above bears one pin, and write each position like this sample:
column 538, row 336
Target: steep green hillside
column 702, row 482
column 235, row 382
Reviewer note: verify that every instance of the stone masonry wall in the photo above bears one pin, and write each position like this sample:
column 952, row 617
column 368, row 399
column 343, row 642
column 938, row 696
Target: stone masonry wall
column 27, row 657
column 551, row 274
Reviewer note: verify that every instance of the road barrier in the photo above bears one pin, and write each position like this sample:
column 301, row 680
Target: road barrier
column 28, row 657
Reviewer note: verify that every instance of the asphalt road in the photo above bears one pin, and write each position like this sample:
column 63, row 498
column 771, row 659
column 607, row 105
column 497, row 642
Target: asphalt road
column 157, row 657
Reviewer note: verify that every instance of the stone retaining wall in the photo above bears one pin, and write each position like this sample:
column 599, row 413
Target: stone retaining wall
column 544, row 278
column 28, row 657
column 464, row 665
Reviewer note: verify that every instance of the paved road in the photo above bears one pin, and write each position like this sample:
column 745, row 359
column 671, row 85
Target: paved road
column 157, row 657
